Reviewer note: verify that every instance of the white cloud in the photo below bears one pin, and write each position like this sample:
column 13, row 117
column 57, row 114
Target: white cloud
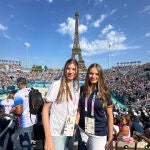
column 3, row 28
column 97, row 23
column 88, row 17
column 115, row 37
column 69, row 27
column 146, row 9
column 6, row 36
column 96, row 46
column 98, row 1
column 113, row 11
column 107, row 29
column 99, row 46
column 147, row 34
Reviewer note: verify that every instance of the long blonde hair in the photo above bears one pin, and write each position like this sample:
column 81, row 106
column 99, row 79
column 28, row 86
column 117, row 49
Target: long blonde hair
column 64, row 89
column 103, row 90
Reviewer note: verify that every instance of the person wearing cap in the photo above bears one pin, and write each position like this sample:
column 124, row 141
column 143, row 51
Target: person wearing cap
column 21, row 109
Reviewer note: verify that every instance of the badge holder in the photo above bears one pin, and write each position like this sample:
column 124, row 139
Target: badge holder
column 89, row 125
column 69, row 126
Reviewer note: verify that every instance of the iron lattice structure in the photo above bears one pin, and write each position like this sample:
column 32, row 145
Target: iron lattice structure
column 76, row 51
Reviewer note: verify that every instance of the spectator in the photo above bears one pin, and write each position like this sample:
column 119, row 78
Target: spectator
column 7, row 140
column 136, row 126
column 115, row 126
column 21, row 109
column 7, row 104
column 125, row 134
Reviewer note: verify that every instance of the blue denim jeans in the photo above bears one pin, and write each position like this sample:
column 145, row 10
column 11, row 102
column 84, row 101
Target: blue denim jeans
column 63, row 142
column 26, row 135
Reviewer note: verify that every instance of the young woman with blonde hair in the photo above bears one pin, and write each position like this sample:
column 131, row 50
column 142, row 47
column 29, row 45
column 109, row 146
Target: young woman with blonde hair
column 60, row 109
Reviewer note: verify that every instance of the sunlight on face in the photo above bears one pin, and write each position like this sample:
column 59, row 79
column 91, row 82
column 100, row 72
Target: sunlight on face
column 124, row 121
column 71, row 72
column 93, row 75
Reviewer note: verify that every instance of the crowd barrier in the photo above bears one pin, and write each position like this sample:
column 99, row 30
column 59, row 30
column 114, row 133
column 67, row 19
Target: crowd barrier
column 131, row 146
column 125, row 146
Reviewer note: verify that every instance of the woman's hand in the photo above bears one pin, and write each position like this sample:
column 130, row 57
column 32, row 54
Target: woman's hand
column 49, row 144
column 109, row 145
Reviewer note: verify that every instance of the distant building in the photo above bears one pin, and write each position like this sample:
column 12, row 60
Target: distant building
column 7, row 65
column 8, row 61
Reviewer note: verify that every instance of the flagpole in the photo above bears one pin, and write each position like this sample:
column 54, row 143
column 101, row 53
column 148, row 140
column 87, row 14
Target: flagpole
column 27, row 45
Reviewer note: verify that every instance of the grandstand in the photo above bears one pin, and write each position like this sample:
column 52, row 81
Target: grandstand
column 128, row 81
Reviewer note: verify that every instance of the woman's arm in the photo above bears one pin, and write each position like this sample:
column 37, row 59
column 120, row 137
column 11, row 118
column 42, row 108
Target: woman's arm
column 123, row 132
column 109, row 145
column 110, row 123
column 49, row 144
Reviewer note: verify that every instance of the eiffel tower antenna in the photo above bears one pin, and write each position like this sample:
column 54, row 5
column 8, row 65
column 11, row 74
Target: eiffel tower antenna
column 76, row 46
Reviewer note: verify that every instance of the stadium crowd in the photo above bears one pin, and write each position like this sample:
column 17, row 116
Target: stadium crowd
column 130, row 81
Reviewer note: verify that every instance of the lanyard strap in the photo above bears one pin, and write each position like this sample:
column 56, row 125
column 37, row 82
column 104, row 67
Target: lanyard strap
column 93, row 102
column 74, row 93
column 74, row 96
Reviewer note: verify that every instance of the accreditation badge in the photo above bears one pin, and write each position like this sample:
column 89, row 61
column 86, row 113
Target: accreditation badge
column 69, row 126
column 89, row 125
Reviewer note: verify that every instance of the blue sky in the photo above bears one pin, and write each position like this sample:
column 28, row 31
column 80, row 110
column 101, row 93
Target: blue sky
column 41, row 32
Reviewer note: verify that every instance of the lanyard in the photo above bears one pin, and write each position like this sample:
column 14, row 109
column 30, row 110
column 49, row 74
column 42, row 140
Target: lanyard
column 74, row 93
column 74, row 96
column 93, row 102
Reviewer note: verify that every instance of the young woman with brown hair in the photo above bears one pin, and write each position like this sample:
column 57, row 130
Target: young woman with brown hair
column 95, row 105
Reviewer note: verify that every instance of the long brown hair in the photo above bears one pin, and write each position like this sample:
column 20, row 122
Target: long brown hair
column 64, row 89
column 103, row 90
column 128, row 119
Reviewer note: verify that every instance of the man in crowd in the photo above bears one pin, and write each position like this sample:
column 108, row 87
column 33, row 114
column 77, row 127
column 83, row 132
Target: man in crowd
column 21, row 109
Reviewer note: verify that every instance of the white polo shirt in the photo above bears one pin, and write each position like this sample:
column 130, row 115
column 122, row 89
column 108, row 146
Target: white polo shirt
column 59, row 112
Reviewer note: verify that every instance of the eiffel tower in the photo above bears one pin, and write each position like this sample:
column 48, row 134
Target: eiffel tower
column 76, row 47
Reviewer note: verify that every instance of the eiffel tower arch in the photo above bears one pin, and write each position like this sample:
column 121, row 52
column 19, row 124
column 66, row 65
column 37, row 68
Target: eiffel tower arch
column 76, row 50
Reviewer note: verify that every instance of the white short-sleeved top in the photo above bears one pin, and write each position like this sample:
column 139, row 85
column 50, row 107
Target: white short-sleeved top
column 7, row 106
column 129, row 135
column 59, row 112
column 22, row 98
